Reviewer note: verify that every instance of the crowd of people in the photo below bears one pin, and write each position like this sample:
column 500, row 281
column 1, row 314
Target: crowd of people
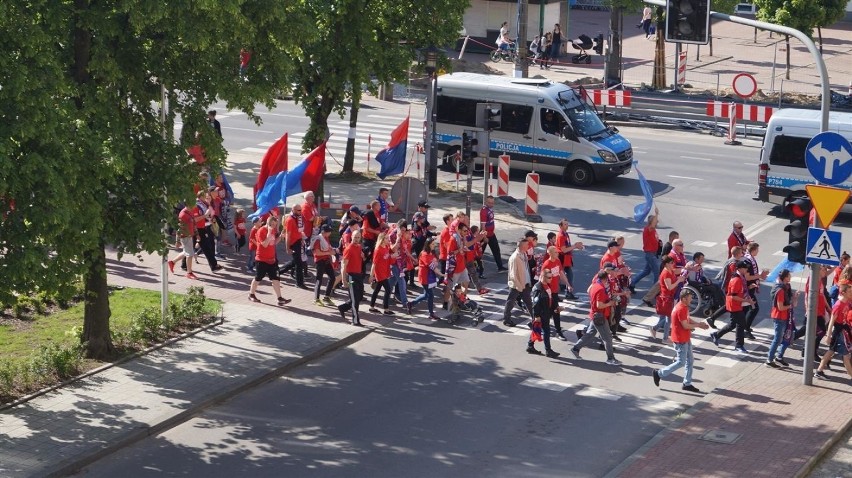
column 415, row 257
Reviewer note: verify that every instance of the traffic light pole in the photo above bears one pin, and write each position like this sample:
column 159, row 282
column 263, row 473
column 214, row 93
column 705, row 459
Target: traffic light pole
column 825, row 103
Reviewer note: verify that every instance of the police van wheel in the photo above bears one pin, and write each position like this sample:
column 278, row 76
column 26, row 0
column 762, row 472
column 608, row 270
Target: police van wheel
column 579, row 173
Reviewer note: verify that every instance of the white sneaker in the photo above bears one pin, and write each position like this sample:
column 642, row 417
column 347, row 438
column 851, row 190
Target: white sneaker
column 613, row 362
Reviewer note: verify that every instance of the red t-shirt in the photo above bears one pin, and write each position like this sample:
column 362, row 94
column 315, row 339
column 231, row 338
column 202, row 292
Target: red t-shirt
column 840, row 310
column 650, row 240
column 822, row 305
column 670, row 275
column 597, row 293
column 240, row 225
column 382, row 262
column 555, row 268
column 680, row 334
column 443, row 243
column 609, row 257
column 424, row 262
column 187, row 223
column 353, row 259
column 291, row 224
column 265, row 253
column 736, row 288
column 564, row 240
column 776, row 313
column 309, row 210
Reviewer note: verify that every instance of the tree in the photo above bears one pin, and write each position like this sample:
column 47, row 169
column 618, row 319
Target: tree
column 831, row 11
column 82, row 149
column 798, row 14
column 354, row 42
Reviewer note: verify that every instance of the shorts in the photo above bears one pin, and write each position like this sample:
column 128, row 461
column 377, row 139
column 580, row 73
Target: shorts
column 839, row 344
column 266, row 269
column 461, row 278
column 188, row 244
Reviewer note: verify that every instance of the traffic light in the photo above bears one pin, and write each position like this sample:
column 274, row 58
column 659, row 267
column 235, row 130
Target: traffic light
column 492, row 117
column 799, row 211
column 467, row 147
column 598, row 44
column 688, row 21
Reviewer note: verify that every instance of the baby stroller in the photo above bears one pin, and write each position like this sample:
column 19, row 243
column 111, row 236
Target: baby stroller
column 583, row 43
column 461, row 305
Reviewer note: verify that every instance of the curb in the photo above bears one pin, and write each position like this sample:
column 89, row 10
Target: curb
column 815, row 460
column 75, row 464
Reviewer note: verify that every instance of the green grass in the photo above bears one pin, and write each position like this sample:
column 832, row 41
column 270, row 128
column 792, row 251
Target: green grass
column 18, row 339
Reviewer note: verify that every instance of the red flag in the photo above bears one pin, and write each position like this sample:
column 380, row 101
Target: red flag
column 315, row 168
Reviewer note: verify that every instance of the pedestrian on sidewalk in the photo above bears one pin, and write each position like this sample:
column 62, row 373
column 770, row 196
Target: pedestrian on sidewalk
column 651, row 294
column 736, row 299
column 544, row 305
column 600, row 309
column 186, row 233
column 428, row 271
column 652, row 247
column 556, row 275
column 353, row 277
column 519, row 282
column 267, row 262
column 646, row 21
column 204, row 225
column 370, row 229
column 472, row 239
column 783, row 301
column 840, row 332
column 487, row 224
column 256, row 224
column 294, row 239
column 556, row 43
column 385, row 204
column 729, row 270
column 546, row 44
column 737, row 238
column 380, row 273
column 669, row 284
column 822, row 311
column 323, row 256
column 682, row 327
column 400, row 240
column 753, row 277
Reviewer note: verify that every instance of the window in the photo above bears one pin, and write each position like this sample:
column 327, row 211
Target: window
column 515, row 118
column 458, row 111
column 788, row 151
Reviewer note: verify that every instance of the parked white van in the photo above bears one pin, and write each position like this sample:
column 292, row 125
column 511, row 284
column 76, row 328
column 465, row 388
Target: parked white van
column 782, row 172
column 534, row 116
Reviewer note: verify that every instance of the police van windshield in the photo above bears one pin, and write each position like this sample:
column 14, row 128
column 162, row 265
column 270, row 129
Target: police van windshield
column 585, row 121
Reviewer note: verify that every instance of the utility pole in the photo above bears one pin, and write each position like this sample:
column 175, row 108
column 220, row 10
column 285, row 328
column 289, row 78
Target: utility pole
column 521, row 65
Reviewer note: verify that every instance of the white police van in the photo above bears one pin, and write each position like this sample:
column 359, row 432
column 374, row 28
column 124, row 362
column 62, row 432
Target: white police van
column 532, row 130
column 782, row 173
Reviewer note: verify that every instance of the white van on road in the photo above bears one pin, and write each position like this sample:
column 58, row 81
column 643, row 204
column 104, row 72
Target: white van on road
column 782, row 172
column 534, row 116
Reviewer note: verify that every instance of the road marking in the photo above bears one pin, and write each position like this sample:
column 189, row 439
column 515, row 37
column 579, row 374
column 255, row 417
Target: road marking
column 684, row 177
column 744, row 184
column 704, row 244
column 248, row 129
column 546, row 384
column 761, row 226
column 725, row 359
column 393, row 118
column 696, row 157
column 598, row 393
column 255, row 150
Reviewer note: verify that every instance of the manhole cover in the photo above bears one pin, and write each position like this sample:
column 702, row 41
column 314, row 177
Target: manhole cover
column 719, row 436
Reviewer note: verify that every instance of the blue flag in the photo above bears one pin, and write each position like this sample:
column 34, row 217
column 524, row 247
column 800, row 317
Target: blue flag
column 791, row 266
column 392, row 158
column 641, row 210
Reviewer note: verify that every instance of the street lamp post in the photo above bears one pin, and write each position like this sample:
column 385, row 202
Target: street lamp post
column 431, row 108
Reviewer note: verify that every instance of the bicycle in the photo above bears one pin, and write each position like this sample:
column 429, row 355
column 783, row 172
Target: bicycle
column 508, row 55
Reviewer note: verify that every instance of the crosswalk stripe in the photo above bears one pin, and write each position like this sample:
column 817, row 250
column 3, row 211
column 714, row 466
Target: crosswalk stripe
column 546, row 384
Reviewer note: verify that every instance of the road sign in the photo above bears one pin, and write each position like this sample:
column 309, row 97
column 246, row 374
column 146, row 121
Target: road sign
column 823, row 247
column 745, row 85
column 827, row 201
column 828, row 157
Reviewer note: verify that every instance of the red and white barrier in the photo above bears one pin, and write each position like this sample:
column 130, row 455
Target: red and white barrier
column 610, row 97
column 760, row 114
column 531, row 202
column 503, row 175
column 490, row 179
column 681, row 68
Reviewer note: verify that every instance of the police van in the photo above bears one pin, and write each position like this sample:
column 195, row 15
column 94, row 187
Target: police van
column 544, row 126
column 782, row 172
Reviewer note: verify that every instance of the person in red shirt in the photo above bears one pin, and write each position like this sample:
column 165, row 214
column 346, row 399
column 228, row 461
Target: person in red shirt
column 186, row 233
column 823, row 311
column 323, row 253
column 669, row 283
column 380, row 273
column 840, row 333
column 566, row 251
column 557, row 275
column 682, row 327
column 353, row 277
column 240, row 228
column 428, row 272
column 737, row 238
column 488, row 225
column 735, row 298
column 256, row 224
column 600, row 309
column 651, row 247
column 295, row 241
column 783, row 302
column 267, row 262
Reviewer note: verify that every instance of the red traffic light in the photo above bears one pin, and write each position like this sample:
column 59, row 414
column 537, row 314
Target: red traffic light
column 799, row 207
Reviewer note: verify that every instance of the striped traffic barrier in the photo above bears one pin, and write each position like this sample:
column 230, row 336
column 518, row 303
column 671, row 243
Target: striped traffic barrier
column 503, row 176
column 610, row 97
column 531, row 201
column 757, row 113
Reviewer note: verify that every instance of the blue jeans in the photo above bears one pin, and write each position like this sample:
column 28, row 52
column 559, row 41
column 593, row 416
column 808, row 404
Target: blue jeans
column 652, row 266
column 398, row 280
column 682, row 359
column 778, row 327
column 427, row 295
column 666, row 325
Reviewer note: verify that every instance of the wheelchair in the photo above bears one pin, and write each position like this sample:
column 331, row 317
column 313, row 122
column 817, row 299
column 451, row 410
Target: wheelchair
column 706, row 301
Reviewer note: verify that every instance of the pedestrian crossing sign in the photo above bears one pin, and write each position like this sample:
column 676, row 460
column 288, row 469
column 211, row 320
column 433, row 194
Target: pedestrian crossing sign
column 823, row 247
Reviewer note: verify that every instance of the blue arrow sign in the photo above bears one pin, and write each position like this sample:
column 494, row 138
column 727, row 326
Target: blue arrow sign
column 829, row 158
column 823, row 247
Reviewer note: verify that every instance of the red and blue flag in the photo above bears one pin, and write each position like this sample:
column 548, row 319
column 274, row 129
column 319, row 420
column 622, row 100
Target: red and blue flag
column 270, row 180
column 392, row 158
column 307, row 175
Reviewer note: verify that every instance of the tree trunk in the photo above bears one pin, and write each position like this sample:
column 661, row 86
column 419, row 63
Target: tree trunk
column 96, row 334
column 349, row 157
column 613, row 65
column 819, row 34
column 787, row 74
column 658, row 81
